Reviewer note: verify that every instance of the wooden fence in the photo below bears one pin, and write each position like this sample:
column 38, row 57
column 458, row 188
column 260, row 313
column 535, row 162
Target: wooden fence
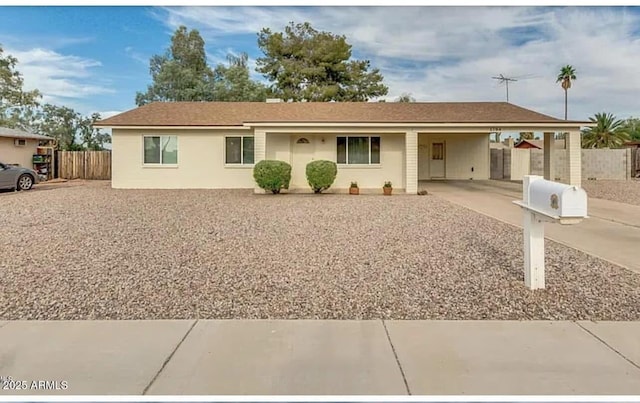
column 84, row 164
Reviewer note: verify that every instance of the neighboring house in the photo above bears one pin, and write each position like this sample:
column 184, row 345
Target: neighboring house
column 215, row 144
column 506, row 143
column 17, row 147
column 539, row 144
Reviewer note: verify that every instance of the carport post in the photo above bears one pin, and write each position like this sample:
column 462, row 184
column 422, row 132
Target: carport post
column 411, row 162
column 548, row 153
column 533, row 240
column 574, row 158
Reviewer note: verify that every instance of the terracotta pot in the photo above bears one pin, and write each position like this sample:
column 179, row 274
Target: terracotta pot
column 354, row 191
column 387, row 190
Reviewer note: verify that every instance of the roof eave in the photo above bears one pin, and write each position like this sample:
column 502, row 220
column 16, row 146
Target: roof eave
column 26, row 136
column 171, row 127
column 491, row 126
column 487, row 124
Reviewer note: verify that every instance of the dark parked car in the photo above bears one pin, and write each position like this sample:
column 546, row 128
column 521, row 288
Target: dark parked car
column 12, row 177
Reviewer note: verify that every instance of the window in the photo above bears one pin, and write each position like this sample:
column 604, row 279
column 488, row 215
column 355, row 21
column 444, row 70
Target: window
column 358, row 150
column 239, row 150
column 160, row 150
column 20, row 142
column 437, row 151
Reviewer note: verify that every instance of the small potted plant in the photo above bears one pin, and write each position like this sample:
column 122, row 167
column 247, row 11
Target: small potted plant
column 387, row 188
column 353, row 189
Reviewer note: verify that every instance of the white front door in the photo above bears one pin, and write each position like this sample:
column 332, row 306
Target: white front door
column 437, row 160
column 302, row 151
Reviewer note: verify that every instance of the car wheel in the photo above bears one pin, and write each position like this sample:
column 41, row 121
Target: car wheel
column 25, row 182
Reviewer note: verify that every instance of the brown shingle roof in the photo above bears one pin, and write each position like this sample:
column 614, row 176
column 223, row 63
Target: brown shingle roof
column 539, row 144
column 237, row 113
column 558, row 143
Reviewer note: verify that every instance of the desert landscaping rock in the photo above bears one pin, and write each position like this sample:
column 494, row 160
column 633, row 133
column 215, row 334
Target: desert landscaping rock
column 620, row 191
column 92, row 252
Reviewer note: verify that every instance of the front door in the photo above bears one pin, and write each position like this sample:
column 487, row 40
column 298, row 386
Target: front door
column 436, row 164
column 302, row 151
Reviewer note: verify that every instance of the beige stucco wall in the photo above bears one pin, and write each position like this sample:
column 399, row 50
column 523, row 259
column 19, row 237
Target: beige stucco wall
column 462, row 152
column 200, row 162
column 323, row 147
column 520, row 163
column 201, row 159
column 12, row 154
column 279, row 147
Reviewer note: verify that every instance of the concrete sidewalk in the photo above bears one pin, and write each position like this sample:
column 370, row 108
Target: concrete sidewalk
column 612, row 231
column 187, row 357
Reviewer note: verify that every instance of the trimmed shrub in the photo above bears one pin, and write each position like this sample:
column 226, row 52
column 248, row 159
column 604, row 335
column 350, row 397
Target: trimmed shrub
column 272, row 175
column 321, row 174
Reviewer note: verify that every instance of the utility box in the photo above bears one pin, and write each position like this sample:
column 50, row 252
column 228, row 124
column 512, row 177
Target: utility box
column 557, row 199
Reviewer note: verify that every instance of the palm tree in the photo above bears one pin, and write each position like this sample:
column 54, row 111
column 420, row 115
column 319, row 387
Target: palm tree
column 609, row 132
column 567, row 73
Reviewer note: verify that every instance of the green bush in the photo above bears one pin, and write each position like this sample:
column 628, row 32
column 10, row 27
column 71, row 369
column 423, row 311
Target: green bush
column 272, row 175
column 321, row 174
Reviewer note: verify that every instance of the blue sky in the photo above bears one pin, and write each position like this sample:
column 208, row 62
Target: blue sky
column 96, row 58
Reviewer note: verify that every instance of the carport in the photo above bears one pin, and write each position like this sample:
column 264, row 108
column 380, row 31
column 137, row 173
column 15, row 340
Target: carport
column 455, row 151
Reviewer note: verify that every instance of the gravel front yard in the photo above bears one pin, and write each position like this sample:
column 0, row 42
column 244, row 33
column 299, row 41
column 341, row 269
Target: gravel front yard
column 91, row 252
column 620, row 191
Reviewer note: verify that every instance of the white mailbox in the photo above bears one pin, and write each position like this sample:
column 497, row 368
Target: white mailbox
column 557, row 199
column 545, row 201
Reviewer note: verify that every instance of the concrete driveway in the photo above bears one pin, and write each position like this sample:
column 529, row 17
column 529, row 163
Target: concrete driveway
column 611, row 233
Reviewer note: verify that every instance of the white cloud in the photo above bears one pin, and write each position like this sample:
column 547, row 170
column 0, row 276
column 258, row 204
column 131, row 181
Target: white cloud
column 107, row 114
column 57, row 76
column 137, row 56
column 451, row 53
column 54, row 41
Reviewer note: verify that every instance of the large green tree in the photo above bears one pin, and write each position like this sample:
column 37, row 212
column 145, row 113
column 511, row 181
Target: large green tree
column 632, row 127
column 525, row 136
column 182, row 73
column 304, row 64
column 72, row 130
column 405, row 98
column 565, row 77
column 16, row 104
column 93, row 138
column 608, row 132
column 232, row 82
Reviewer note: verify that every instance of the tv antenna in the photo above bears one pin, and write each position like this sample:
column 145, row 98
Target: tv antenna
column 503, row 79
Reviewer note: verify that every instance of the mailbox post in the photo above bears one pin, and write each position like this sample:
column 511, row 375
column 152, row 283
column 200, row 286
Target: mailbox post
column 546, row 201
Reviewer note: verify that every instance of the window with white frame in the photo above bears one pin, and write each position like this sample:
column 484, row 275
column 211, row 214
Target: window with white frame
column 161, row 150
column 358, row 150
column 239, row 150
